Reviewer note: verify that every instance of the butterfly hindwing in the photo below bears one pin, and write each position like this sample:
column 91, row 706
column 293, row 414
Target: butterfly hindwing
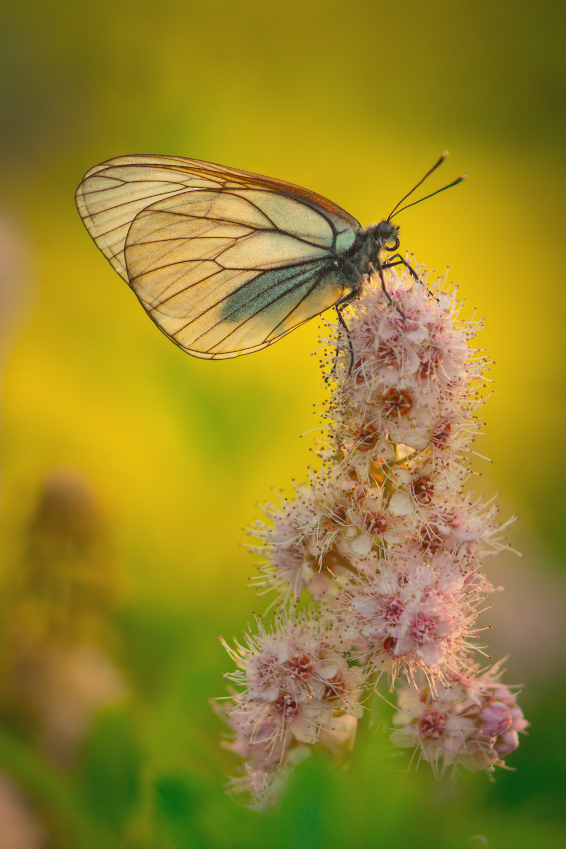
column 217, row 275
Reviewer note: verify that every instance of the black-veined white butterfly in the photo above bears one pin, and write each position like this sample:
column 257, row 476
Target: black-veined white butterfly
column 226, row 262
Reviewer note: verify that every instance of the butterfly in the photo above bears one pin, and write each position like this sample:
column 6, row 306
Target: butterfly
column 226, row 262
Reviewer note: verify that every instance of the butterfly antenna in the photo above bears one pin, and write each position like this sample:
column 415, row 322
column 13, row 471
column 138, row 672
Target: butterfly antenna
column 428, row 173
column 426, row 197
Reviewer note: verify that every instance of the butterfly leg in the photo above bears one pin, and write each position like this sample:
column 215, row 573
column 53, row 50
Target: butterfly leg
column 410, row 269
column 345, row 326
column 351, row 347
column 379, row 270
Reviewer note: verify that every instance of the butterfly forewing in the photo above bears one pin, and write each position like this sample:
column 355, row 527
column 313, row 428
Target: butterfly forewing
column 225, row 262
column 111, row 195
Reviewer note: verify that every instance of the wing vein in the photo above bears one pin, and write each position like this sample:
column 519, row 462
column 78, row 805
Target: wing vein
column 265, row 306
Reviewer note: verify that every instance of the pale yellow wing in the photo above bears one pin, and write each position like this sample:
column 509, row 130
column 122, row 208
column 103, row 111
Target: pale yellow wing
column 111, row 195
column 225, row 262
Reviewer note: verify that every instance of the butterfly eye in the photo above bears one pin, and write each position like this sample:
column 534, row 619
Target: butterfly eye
column 385, row 230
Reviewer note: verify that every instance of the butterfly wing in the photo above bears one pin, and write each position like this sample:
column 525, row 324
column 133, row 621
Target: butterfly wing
column 224, row 262
column 111, row 195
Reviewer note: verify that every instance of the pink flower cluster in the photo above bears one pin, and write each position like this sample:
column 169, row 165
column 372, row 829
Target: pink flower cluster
column 295, row 676
column 407, row 616
column 388, row 547
column 473, row 719
column 296, row 687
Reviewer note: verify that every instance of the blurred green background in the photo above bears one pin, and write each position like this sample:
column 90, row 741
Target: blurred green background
column 127, row 469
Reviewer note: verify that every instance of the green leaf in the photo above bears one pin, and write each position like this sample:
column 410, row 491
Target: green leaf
column 111, row 769
column 178, row 804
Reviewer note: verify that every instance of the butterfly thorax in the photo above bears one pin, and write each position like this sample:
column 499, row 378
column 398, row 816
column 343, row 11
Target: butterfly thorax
column 367, row 252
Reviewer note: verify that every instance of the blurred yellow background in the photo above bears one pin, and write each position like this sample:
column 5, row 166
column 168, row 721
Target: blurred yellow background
column 171, row 454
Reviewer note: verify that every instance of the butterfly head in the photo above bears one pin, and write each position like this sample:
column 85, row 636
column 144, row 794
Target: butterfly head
column 387, row 235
